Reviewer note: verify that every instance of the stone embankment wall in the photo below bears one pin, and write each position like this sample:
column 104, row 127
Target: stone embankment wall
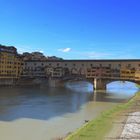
column 24, row 82
column 36, row 81
column 7, row 82
column 32, row 82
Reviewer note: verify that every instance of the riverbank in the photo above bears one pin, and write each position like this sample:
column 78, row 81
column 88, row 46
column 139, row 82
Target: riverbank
column 103, row 126
column 24, row 82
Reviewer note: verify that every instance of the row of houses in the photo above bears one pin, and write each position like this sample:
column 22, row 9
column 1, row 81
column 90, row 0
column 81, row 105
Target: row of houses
column 106, row 72
column 34, row 69
column 31, row 65
column 10, row 63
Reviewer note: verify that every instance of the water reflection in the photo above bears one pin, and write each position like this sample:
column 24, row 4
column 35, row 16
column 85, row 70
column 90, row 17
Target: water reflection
column 47, row 103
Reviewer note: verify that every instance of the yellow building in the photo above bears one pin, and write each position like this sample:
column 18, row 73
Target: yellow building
column 127, row 73
column 10, row 63
column 137, row 75
column 58, row 72
column 98, row 72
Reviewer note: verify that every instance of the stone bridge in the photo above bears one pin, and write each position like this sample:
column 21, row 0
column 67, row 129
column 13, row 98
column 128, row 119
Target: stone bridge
column 97, row 72
column 98, row 83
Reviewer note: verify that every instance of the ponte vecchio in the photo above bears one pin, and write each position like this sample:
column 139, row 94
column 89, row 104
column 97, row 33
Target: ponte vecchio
column 98, row 72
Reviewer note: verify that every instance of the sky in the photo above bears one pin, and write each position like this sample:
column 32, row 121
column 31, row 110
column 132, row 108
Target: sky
column 72, row 29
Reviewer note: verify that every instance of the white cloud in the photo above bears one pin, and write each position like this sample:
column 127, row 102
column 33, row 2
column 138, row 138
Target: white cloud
column 41, row 51
column 64, row 50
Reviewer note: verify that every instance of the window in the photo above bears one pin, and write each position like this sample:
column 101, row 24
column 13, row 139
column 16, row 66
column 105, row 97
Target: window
column 129, row 65
column 109, row 65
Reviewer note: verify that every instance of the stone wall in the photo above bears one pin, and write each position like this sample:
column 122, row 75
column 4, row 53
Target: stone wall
column 7, row 82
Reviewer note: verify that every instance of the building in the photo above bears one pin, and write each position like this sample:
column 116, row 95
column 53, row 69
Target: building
column 137, row 74
column 127, row 73
column 10, row 63
column 98, row 72
column 58, row 72
column 54, row 58
column 34, row 56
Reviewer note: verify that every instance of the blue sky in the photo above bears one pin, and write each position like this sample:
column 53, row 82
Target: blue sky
column 72, row 29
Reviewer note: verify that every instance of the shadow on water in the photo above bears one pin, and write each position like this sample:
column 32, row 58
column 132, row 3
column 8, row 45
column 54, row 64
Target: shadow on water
column 47, row 103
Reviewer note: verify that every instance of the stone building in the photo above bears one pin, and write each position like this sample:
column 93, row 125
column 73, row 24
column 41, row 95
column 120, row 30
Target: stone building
column 10, row 64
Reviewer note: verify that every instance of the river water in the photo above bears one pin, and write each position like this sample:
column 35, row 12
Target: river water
column 49, row 113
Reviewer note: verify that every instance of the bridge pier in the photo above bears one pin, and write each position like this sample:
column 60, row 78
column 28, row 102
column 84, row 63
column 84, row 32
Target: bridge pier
column 99, row 84
column 55, row 83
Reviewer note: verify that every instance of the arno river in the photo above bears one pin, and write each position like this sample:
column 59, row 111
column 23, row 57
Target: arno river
column 46, row 113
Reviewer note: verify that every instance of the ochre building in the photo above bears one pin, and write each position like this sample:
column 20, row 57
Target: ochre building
column 10, row 64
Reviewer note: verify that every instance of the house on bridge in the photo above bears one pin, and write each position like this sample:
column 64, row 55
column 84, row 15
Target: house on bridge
column 98, row 72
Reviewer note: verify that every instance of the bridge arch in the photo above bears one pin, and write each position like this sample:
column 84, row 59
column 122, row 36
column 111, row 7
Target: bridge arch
column 122, row 88
column 61, row 82
column 79, row 86
column 77, row 78
column 127, row 80
column 101, row 84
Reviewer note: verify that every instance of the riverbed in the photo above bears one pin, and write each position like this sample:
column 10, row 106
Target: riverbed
column 49, row 113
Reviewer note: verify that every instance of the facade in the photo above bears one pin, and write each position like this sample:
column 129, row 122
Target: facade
column 48, row 71
column 137, row 74
column 33, row 71
column 127, row 73
column 10, row 63
column 87, row 68
column 58, row 72
column 98, row 72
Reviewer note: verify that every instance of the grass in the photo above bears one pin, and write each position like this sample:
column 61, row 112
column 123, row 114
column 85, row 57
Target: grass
column 99, row 127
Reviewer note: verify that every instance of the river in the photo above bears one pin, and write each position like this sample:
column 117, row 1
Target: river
column 49, row 113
